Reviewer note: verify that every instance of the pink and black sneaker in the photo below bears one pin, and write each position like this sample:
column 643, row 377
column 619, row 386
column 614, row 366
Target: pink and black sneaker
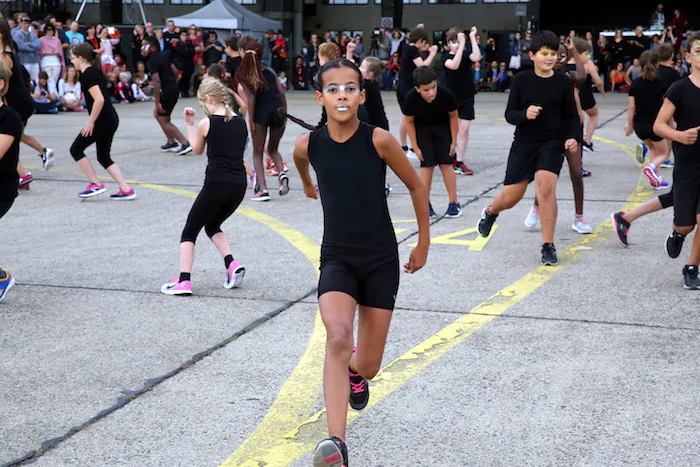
column 175, row 287
column 654, row 179
column 93, row 189
column 122, row 195
column 331, row 452
column 234, row 275
column 26, row 179
column 359, row 391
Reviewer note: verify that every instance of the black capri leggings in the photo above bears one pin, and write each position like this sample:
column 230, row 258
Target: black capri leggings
column 666, row 199
column 103, row 145
column 214, row 204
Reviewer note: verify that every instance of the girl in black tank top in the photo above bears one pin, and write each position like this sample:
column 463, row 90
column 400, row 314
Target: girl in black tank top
column 19, row 99
column 359, row 257
column 224, row 134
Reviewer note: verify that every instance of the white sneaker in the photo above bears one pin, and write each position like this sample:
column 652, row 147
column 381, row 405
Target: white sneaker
column 581, row 226
column 533, row 219
column 47, row 158
column 411, row 154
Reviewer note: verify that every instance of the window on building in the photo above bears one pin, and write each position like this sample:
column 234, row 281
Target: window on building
column 345, row 2
column 405, row 2
column 145, row 2
column 506, row 1
column 445, row 2
column 187, row 2
column 88, row 1
column 246, row 2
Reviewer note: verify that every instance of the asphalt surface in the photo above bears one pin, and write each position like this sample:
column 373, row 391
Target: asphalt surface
column 594, row 362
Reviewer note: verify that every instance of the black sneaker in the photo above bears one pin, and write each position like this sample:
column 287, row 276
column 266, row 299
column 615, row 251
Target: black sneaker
column 47, row 158
column 359, row 391
column 184, row 149
column 486, row 223
column 549, row 254
column 585, row 173
column 674, row 244
column 431, row 211
column 331, row 452
column 588, row 147
column 170, row 147
column 691, row 281
column 621, row 227
column 284, row 184
column 387, row 190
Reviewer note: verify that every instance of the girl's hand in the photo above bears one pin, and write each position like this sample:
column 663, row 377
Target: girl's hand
column 570, row 145
column 628, row 130
column 419, row 154
column 87, row 129
column 418, row 258
column 311, row 190
column 189, row 115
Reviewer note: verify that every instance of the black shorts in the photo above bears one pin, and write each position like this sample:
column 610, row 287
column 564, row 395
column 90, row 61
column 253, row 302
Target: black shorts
column 686, row 192
column 587, row 98
column 168, row 99
column 465, row 109
column 268, row 117
column 370, row 285
column 434, row 142
column 401, row 97
column 645, row 131
column 526, row 159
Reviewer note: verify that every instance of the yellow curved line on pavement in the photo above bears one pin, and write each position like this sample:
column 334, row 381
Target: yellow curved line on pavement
column 303, row 439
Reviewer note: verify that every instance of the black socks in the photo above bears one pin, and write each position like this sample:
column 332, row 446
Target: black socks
column 185, row 276
column 228, row 260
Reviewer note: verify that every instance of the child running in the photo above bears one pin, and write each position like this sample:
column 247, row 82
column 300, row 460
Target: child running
column 584, row 90
column 459, row 78
column 100, row 128
column 682, row 104
column 646, row 95
column 10, row 135
column 431, row 122
column 359, row 255
column 541, row 105
column 224, row 134
column 19, row 99
column 166, row 93
column 263, row 96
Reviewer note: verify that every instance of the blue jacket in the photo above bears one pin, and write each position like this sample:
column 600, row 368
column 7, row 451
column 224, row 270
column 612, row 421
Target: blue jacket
column 28, row 46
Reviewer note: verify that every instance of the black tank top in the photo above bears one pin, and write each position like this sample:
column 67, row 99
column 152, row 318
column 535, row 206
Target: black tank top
column 351, row 178
column 270, row 100
column 225, row 145
column 18, row 96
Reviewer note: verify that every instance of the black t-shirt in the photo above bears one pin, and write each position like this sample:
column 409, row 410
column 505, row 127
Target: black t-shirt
column 638, row 45
column 225, row 146
column 108, row 116
column 430, row 113
column 558, row 119
column 410, row 52
column 160, row 63
column 212, row 55
column 648, row 97
column 232, row 64
column 618, row 51
column 461, row 80
column 667, row 76
column 10, row 124
column 686, row 97
column 374, row 106
column 170, row 39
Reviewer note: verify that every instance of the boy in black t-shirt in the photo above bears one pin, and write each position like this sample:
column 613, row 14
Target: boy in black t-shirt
column 431, row 123
column 410, row 60
column 459, row 79
column 541, row 105
column 10, row 135
column 166, row 92
column 682, row 103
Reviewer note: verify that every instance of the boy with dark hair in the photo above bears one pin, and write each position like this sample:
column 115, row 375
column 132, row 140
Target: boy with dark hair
column 410, row 60
column 459, row 78
column 541, row 105
column 431, row 122
column 233, row 56
column 682, row 104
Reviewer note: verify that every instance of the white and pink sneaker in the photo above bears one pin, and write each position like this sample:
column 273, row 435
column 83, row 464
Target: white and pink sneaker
column 234, row 275
column 175, row 287
column 654, row 179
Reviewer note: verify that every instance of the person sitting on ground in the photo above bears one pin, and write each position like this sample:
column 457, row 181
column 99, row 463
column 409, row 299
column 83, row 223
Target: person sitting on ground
column 617, row 79
column 69, row 90
column 45, row 95
column 123, row 89
column 633, row 72
column 283, row 79
column 300, row 78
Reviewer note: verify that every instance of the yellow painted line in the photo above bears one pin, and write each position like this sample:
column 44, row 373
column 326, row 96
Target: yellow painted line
column 403, row 221
column 300, row 391
column 303, row 439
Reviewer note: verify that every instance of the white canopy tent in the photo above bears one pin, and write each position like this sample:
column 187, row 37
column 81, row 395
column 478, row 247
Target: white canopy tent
column 226, row 16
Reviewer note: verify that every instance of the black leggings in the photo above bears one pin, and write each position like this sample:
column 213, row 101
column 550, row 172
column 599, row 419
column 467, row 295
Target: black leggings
column 214, row 204
column 5, row 207
column 103, row 145
column 666, row 199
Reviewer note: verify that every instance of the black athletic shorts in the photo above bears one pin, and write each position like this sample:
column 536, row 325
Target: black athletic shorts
column 645, row 131
column 526, row 159
column 465, row 109
column 587, row 98
column 268, row 117
column 434, row 142
column 686, row 192
column 168, row 99
column 372, row 279
column 401, row 97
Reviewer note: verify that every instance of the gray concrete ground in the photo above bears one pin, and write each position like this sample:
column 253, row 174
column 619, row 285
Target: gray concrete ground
column 597, row 366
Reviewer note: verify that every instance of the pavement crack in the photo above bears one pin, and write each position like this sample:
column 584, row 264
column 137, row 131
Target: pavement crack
column 130, row 396
column 610, row 120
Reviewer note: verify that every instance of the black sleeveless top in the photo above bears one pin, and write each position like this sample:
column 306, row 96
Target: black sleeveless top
column 270, row 100
column 18, row 96
column 351, row 178
column 225, row 146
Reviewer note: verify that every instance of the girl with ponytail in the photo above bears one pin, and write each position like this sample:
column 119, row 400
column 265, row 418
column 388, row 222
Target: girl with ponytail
column 100, row 128
column 224, row 133
column 264, row 95
column 646, row 96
